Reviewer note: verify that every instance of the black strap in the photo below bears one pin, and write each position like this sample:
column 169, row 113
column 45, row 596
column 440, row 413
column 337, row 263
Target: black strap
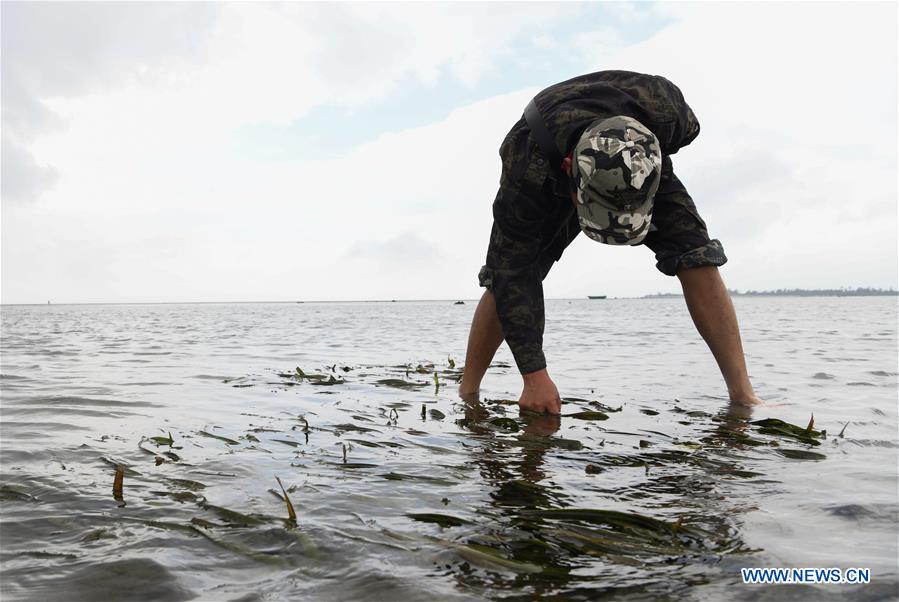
column 542, row 136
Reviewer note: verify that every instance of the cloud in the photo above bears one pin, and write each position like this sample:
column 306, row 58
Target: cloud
column 406, row 266
column 173, row 80
column 58, row 50
column 72, row 48
column 404, row 216
column 155, row 198
column 21, row 178
column 406, row 248
column 797, row 120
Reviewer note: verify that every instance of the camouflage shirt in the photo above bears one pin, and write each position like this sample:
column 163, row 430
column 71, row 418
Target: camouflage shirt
column 569, row 107
column 534, row 218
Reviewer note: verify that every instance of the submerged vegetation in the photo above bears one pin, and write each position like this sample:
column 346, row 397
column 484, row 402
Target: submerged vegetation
column 173, row 452
column 650, row 482
column 386, row 459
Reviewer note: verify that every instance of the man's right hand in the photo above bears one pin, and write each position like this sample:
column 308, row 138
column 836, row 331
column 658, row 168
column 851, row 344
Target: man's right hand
column 540, row 393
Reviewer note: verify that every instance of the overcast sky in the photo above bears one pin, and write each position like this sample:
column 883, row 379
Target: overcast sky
column 241, row 152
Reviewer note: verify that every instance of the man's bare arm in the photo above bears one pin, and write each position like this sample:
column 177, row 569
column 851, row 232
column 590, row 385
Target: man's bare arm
column 484, row 339
column 715, row 319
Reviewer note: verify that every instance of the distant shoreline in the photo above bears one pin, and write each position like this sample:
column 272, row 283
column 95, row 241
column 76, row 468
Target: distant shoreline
column 797, row 292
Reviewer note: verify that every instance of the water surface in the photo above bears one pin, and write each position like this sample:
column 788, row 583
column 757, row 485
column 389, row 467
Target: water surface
column 403, row 492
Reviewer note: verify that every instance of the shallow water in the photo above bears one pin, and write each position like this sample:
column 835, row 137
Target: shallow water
column 403, row 492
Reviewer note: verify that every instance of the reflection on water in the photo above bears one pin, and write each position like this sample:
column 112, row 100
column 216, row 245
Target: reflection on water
column 566, row 549
column 647, row 488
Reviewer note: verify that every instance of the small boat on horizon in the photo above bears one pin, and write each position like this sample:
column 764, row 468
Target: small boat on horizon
column 596, row 296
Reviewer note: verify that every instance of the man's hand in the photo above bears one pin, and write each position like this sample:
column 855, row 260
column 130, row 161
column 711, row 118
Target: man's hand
column 540, row 393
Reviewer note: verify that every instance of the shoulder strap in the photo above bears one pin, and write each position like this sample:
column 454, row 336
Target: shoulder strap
column 542, row 136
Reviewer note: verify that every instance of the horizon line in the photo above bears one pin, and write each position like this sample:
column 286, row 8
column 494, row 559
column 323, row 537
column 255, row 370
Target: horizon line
column 655, row 295
column 300, row 302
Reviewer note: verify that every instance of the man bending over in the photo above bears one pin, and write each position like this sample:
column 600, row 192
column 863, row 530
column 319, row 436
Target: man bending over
column 593, row 154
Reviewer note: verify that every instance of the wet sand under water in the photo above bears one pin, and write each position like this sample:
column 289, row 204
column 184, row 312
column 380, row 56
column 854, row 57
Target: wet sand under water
column 651, row 486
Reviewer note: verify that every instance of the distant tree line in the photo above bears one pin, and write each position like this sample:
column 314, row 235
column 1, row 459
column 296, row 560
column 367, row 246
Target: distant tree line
column 799, row 292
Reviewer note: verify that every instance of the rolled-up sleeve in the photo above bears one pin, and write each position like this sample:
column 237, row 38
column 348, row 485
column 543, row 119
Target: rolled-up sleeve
column 678, row 235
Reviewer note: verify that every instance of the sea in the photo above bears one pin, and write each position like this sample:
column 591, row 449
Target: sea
column 320, row 451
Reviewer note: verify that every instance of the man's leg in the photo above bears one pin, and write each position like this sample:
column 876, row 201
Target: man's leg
column 715, row 319
column 484, row 339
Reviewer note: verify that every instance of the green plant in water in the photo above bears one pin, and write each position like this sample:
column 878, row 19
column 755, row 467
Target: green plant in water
column 507, row 424
column 163, row 440
column 801, row 454
column 444, row 520
column 587, row 415
column 117, row 482
column 775, row 426
column 291, row 513
column 219, row 437
column 399, row 383
column 318, row 379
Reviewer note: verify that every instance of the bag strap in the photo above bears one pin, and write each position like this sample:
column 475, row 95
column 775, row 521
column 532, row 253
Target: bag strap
column 542, row 137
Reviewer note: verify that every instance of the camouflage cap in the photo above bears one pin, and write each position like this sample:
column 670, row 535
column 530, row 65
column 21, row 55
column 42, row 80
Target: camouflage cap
column 616, row 168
